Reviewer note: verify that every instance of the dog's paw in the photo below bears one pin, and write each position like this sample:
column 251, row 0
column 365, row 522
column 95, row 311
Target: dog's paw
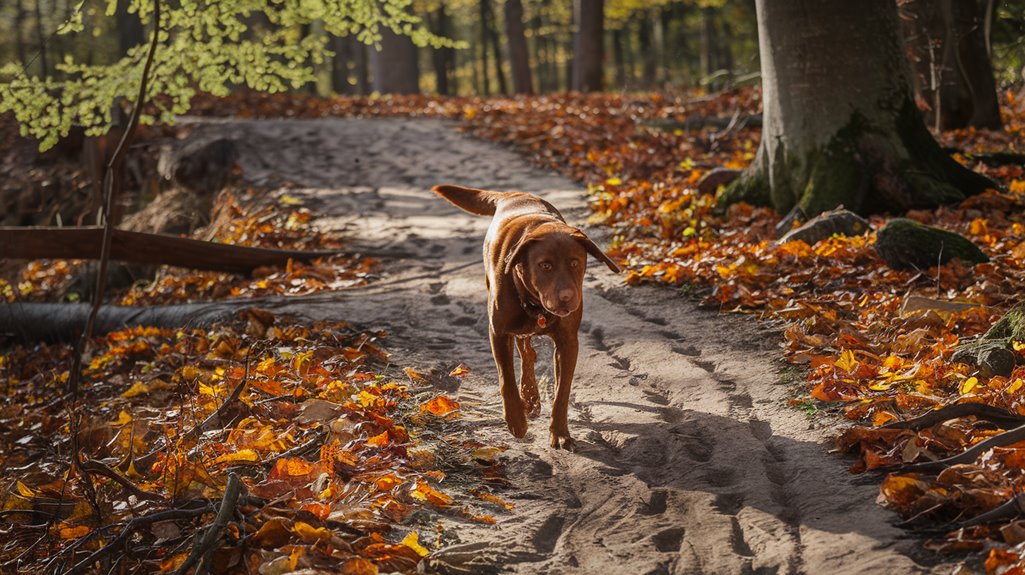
column 532, row 404
column 562, row 441
column 517, row 422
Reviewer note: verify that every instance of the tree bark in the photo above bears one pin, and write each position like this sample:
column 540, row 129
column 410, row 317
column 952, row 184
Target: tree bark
column 342, row 48
column 485, row 77
column 619, row 58
column 129, row 29
column 440, row 56
column 19, row 36
column 588, row 45
column 519, row 58
column 41, row 38
column 647, row 54
column 395, row 66
column 496, row 50
column 951, row 69
column 840, row 124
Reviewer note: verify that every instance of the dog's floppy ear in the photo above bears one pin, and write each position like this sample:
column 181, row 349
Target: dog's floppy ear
column 594, row 250
column 519, row 250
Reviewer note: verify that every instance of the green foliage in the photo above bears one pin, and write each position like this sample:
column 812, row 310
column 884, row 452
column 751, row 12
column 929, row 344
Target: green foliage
column 204, row 45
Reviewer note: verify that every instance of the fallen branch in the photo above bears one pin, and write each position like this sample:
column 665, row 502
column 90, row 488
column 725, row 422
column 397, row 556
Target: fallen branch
column 1012, row 508
column 142, row 248
column 99, row 468
column 996, row 415
column 212, row 536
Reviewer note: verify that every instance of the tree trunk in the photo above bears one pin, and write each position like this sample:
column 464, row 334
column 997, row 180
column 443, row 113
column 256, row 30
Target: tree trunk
column 519, row 59
column 439, row 56
column 496, row 50
column 129, row 29
column 588, row 45
column 362, row 66
column 840, row 124
column 708, row 63
column 485, row 77
column 619, row 58
column 951, row 70
column 41, row 38
column 395, row 66
column 342, row 48
column 647, row 54
column 19, row 36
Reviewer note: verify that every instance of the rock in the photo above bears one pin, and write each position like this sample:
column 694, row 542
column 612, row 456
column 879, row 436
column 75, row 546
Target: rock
column 795, row 217
column 202, row 165
column 717, row 177
column 904, row 244
column 838, row 222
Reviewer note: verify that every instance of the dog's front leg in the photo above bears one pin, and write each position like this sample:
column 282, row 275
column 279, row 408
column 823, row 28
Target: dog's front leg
column 528, row 378
column 566, row 347
column 502, row 349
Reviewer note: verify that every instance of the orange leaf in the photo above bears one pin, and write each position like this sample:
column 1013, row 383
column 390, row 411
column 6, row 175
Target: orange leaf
column 460, row 371
column 358, row 566
column 290, row 467
column 379, row 440
column 73, row 532
column 311, row 534
column 425, row 492
column 441, row 405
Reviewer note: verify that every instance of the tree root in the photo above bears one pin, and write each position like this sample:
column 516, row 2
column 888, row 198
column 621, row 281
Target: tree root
column 996, row 415
column 969, row 455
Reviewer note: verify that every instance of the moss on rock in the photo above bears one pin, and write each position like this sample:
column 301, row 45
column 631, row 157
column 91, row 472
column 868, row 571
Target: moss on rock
column 904, row 243
column 992, row 352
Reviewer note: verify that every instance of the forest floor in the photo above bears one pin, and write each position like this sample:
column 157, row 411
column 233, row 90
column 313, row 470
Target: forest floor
column 689, row 458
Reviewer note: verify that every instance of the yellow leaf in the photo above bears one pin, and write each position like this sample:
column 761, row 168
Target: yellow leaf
column 413, row 542
column 1015, row 386
column 1018, row 345
column 487, row 454
column 123, row 419
column 309, row 533
column 847, row 361
column 614, row 181
column 24, row 489
column 240, row 456
column 289, row 200
column 441, row 405
column 969, row 384
column 460, row 370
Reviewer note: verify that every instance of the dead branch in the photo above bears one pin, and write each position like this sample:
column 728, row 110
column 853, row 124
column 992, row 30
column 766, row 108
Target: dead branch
column 212, row 535
column 99, row 468
column 996, row 415
column 142, row 248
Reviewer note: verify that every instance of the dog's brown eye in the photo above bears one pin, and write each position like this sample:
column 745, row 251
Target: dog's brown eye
column 573, row 263
column 546, row 266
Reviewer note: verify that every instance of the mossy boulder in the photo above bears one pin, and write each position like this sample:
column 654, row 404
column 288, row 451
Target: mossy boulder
column 904, row 244
column 838, row 222
column 992, row 352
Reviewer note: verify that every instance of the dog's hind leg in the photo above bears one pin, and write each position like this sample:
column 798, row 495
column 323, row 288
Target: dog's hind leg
column 528, row 378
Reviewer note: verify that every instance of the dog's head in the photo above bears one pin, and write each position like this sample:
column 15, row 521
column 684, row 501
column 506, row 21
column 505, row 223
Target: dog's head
column 552, row 258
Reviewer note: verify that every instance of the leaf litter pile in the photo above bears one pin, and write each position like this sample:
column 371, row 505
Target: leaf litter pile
column 329, row 449
column 876, row 343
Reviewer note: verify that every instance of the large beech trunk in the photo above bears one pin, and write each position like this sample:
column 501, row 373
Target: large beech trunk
column 950, row 63
column 840, row 123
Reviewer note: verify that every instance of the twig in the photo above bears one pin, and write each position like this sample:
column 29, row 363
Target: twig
column 130, row 528
column 111, row 186
column 212, row 536
column 301, row 449
column 93, row 466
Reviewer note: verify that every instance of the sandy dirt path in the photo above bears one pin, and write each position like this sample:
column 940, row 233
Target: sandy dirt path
column 688, row 460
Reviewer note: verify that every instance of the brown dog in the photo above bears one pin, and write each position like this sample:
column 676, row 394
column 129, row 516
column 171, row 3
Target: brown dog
column 534, row 271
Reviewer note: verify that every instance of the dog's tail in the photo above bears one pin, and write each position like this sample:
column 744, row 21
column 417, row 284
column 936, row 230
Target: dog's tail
column 480, row 202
